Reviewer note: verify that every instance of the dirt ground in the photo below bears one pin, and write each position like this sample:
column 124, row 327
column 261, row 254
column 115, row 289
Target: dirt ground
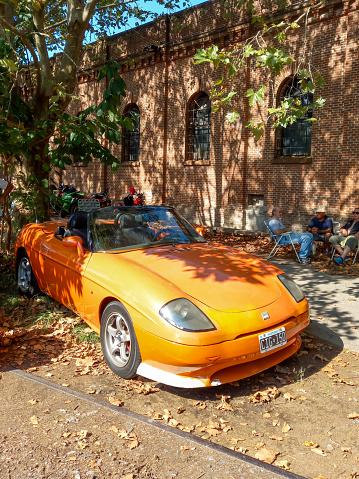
column 302, row 415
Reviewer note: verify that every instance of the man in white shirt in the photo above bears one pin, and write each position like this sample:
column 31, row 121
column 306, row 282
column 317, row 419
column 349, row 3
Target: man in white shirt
column 305, row 239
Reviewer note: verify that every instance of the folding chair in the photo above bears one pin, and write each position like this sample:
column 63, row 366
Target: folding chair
column 277, row 239
column 355, row 256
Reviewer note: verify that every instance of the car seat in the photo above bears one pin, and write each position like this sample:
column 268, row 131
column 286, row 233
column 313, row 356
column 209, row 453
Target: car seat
column 77, row 226
column 132, row 232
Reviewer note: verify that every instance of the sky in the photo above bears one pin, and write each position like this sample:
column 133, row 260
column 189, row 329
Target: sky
column 156, row 7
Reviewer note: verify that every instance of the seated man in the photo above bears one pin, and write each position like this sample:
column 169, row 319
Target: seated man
column 349, row 238
column 321, row 226
column 305, row 239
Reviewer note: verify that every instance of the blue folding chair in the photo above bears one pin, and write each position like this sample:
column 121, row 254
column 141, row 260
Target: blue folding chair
column 277, row 239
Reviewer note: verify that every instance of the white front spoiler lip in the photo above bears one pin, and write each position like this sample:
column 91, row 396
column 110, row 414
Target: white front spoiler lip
column 171, row 379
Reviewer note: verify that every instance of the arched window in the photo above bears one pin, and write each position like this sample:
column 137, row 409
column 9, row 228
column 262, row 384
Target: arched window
column 131, row 139
column 296, row 139
column 199, row 128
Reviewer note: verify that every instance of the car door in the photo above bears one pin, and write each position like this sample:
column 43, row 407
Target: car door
column 64, row 268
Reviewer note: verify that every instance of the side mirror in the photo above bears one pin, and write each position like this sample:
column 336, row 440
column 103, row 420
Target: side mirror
column 74, row 242
column 200, row 230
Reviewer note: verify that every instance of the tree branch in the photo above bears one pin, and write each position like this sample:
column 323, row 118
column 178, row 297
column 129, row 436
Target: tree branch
column 28, row 45
column 38, row 17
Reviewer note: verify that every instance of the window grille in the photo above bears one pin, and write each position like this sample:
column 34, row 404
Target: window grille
column 296, row 139
column 131, row 139
column 199, row 128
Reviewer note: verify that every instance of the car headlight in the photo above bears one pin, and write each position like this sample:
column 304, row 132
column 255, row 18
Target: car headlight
column 184, row 315
column 292, row 287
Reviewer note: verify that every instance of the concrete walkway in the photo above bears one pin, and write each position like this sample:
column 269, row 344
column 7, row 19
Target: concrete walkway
column 333, row 300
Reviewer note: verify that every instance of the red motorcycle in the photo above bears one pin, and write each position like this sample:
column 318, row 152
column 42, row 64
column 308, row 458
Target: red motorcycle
column 129, row 200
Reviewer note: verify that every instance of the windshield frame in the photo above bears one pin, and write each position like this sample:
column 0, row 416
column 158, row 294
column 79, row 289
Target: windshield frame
column 110, row 214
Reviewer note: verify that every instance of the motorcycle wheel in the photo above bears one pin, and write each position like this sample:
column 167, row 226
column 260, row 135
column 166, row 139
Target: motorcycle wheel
column 63, row 213
column 74, row 208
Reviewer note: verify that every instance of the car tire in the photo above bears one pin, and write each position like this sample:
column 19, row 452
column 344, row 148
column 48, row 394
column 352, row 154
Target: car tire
column 118, row 341
column 26, row 280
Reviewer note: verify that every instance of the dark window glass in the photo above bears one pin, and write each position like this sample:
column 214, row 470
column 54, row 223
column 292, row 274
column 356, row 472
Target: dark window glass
column 131, row 139
column 199, row 128
column 296, row 139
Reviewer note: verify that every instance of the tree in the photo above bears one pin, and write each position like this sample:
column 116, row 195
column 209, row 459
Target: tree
column 33, row 125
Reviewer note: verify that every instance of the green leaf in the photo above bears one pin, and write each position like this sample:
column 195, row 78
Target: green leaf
column 128, row 123
column 9, row 64
column 257, row 132
column 249, row 51
column 319, row 102
column 255, row 97
column 232, row 116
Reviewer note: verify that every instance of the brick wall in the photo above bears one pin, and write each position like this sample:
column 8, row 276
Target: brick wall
column 219, row 192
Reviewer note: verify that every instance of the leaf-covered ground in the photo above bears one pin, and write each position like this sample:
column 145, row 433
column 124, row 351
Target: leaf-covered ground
column 262, row 246
column 302, row 415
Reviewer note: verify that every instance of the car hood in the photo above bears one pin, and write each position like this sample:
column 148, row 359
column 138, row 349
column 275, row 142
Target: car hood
column 221, row 278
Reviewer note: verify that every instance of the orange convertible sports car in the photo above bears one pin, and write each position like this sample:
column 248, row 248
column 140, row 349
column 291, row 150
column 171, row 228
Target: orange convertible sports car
column 168, row 305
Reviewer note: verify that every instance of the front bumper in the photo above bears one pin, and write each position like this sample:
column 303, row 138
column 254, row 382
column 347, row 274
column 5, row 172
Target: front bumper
column 200, row 366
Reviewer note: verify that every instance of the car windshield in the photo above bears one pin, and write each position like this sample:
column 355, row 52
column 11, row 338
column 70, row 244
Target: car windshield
column 123, row 228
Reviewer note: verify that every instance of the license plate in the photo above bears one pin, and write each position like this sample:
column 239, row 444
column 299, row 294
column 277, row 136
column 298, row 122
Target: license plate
column 272, row 340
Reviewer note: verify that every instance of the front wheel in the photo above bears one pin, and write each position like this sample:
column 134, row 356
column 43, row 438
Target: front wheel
column 26, row 280
column 118, row 341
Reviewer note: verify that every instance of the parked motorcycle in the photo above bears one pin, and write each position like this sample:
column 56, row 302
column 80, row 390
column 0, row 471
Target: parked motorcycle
column 102, row 197
column 65, row 199
column 129, row 200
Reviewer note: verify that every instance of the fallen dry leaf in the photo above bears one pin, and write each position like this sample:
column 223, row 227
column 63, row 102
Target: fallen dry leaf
column 286, row 427
column 284, row 464
column 353, row 415
column 318, row 451
column 311, row 444
column 115, row 401
column 34, row 420
column 200, row 405
column 265, row 396
column 266, row 456
column 133, row 444
column 322, row 358
column 243, row 450
column 224, row 406
column 289, row 396
column 236, row 440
